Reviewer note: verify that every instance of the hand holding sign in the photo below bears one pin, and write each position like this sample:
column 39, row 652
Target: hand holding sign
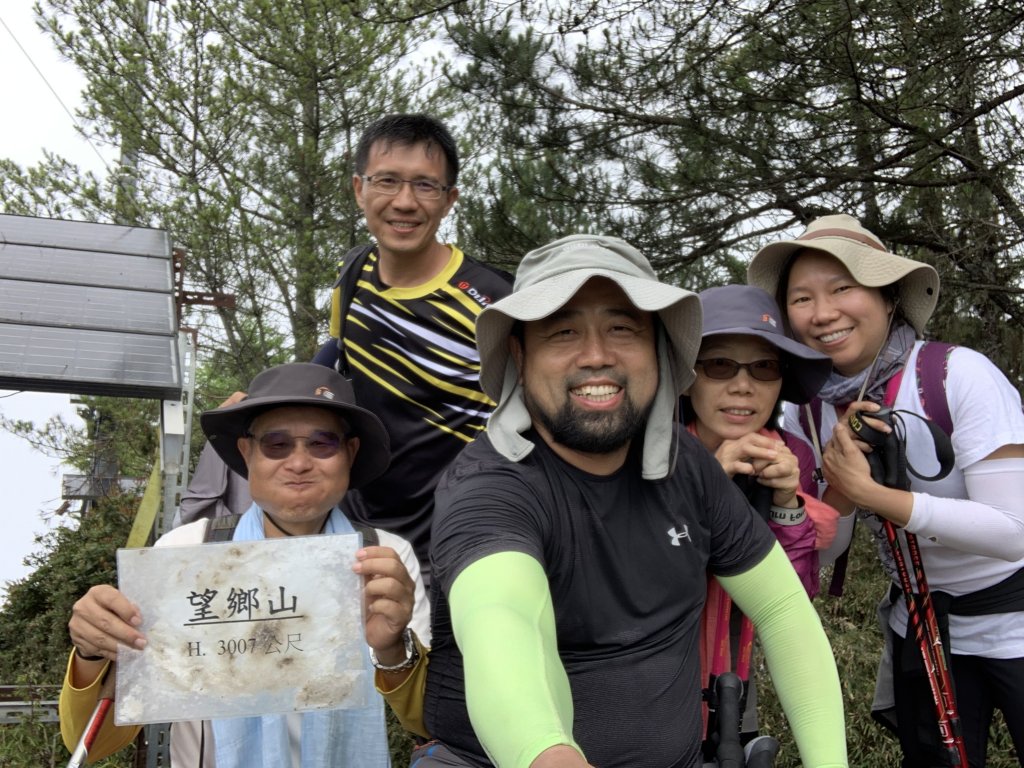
column 243, row 628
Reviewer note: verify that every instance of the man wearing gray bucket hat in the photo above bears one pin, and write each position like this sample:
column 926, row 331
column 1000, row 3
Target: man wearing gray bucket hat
column 572, row 541
column 301, row 441
column 850, row 297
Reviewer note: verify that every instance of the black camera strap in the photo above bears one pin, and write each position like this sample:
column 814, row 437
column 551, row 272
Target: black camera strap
column 888, row 456
column 943, row 450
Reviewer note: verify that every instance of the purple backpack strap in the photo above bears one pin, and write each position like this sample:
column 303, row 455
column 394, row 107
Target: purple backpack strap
column 932, row 366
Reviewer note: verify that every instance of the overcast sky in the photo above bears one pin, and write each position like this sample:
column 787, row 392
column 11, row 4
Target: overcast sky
column 35, row 84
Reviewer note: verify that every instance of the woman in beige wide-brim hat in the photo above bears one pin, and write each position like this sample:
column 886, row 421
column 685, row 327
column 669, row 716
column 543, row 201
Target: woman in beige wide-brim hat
column 846, row 295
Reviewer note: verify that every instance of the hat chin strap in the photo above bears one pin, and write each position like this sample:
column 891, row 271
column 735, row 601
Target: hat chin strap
column 881, row 348
column 511, row 418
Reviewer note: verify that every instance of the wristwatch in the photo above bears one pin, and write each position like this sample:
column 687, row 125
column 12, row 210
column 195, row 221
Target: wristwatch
column 412, row 654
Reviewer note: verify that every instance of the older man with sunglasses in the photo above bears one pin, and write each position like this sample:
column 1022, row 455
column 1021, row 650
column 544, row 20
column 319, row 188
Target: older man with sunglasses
column 302, row 442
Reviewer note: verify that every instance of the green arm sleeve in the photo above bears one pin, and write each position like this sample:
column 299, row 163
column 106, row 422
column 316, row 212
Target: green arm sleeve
column 517, row 691
column 798, row 654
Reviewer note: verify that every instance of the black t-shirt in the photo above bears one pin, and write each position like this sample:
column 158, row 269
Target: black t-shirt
column 626, row 561
column 413, row 362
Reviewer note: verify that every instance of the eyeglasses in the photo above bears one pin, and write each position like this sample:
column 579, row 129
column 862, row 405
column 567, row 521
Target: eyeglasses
column 722, row 368
column 280, row 445
column 422, row 189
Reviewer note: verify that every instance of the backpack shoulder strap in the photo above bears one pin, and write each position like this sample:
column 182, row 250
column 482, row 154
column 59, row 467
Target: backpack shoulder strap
column 932, row 367
column 504, row 274
column 810, row 422
column 221, row 528
column 349, row 267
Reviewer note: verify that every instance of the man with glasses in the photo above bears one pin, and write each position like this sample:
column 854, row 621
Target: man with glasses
column 403, row 327
column 408, row 337
column 302, row 442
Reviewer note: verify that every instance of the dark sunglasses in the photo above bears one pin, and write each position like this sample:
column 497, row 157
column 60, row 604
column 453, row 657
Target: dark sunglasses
column 723, row 368
column 280, row 445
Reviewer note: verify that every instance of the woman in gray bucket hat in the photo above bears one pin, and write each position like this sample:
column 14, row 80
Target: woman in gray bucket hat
column 848, row 296
column 746, row 367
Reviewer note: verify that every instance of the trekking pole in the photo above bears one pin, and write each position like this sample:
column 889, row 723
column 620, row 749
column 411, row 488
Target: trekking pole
column 929, row 641
column 928, row 609
column 889, row 467
column 99, row 714
column 761, row 752
column 730, row 752
column 745, row 652
column 761, row 498
column 719, row 665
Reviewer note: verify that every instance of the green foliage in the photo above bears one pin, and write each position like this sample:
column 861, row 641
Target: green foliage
column 400, row 742
column 34, row 744
column 34, row 641
column 851, row 624
column 236, row 123
column 118, row 437
column 699, row 130
column 33, row 622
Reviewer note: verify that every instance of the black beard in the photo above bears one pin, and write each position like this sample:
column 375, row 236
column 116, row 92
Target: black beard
column 590, row 432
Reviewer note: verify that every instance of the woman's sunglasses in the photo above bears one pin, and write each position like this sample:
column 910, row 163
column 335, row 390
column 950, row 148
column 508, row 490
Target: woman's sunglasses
column 723, row 368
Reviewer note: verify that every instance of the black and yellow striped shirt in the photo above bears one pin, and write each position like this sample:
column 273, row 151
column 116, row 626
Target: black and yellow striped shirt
column 413, row 361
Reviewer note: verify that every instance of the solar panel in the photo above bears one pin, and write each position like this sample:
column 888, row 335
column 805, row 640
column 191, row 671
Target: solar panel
column 83, row 235
column 61, row 265
column 87, row 308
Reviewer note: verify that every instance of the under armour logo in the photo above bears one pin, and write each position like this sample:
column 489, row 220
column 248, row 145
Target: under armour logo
column 684, row 534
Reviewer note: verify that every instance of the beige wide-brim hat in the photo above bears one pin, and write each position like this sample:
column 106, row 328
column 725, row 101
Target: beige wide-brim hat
column 863, row 255
column 548, row 277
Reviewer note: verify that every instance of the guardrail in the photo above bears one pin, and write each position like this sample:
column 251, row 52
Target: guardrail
column 28, row 702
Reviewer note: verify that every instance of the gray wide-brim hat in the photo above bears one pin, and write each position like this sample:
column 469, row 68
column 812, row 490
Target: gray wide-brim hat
column 547, row 278
column 746, row 310
column 863, row 255
column 300, row 384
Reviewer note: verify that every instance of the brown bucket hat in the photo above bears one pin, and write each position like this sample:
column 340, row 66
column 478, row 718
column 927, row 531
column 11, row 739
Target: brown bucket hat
column 300, row 384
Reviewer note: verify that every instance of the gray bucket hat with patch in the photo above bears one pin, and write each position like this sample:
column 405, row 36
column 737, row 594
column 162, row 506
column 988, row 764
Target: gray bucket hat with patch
column 746, row 310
